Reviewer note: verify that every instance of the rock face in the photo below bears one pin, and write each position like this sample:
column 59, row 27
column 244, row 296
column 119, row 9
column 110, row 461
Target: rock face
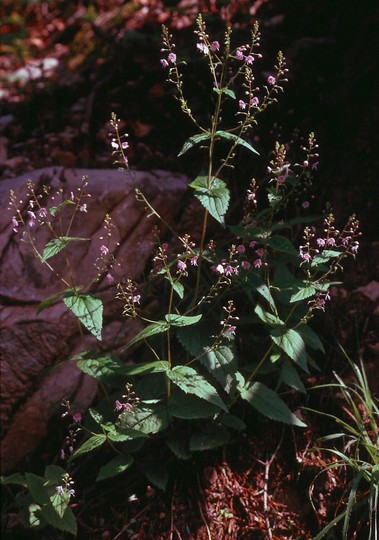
column 35, row 372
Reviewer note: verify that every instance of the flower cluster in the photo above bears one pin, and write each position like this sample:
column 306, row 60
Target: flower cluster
column 130, row 400
column 119, row 144
column 131, row 300
column 66, row 490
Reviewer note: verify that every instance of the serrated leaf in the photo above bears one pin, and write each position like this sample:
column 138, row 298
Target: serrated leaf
column 178, row 448
column 267, row 317
column 311, row 338
column 56, row 245
column 90, row 444
column 60, row 502
column 54, row 474
column 196, row 338
column 192, row 141
column 191, row 382
column 303, row 293
column 268, row 403
column 158, row 327
column 227, row 91
column 282, row 244
column 213, row 195
column 116, row 466
column 182, row 320
column 159, row 366
column 215, row 436
column 233, row 422
column 255, row 282
column 178, row 288
column 221, row 363
column 88, row 309
column 290, row 376
column 47, row 302
column 54, row 209
column 65, row 523
column 232, row 137
column 96, row 415
column 324, row 257
column 291, row 342
column 37, row 488
column 104, row 367
column 157, row 474
column 146, row 417
column 190, row 407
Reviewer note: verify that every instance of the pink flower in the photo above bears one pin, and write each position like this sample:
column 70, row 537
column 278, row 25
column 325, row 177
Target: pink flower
column 305, row 163
column 202, row 48
column 242, row 104
column 164, row 63
column 172, row 58
column 136, row 299
column 231, row 330
column 254, row 102
column 249, row 59
column 354, row 247
column 114, row 144
column 32, row 218
column 330, row 242
column 271, row 80
column 229, row 270
column 239, row 54
column 220, row 269
column 305, row 205
column 215, row 46
column 194, row 260
column 246, row 265
column 14, row 224
column 77, row 417
column 104, row 250
column 42, row 212
column 109, row 278
column 320, row 242
column 83, row 208
column 241, row 248
column 314, row 166
column 260, row 252
column 182, row 266
column 257, row 263
column 252, row 244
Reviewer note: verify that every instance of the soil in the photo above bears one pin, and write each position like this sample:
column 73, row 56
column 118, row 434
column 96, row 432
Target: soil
column 259, row 486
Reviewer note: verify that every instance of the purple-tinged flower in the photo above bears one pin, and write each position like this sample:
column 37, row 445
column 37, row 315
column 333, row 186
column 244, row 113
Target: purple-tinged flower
column 114, row 144
column 257, row 263
column 109, row 278
column 220, row 269
column 271, row 80
column 320, row 242
column 283, row 177
column 42, row 212
column 346, row 240
column 249, row 59
column 62, row 454
column 137, row 299
column 229, row 270
column 304, row 255
column 215, row 46
column 314, row 166
column 231, row 330
column 125, row 145
column 60, row 490
column 354, row 247
column 305, row 205
column 182, row 266
column 330, row 242
column 239, row 54
column 104, row 250
column 83, row 208
column 242, row 104
column 164, row 63
column 172, row 58
column 14, row 224
column 246, row 265
column 203, row 48
column 260, row 252
column 77, row 417
column 241, row 248
column 194, row 260
column 32, row 218
column 254, row 102
column 305, row 163
column 118, row 406
column 252, row 244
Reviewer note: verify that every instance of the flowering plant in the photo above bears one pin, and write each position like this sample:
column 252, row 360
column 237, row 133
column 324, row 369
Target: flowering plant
column 235, row 300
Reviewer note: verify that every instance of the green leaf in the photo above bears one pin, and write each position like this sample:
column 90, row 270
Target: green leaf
column 37, row 488
column 182, row 320
column 233, row 422
column 213, row 195
column 146, row 417
column 90, row 444
column 282, row 244
column 303, row 293
column 267, row 317
column 324, row 257
column 159, row 366
column 56, row 245
column 157, row 474
column 225, row 91
column 195, row 339
column 158, row 327
column 311, row 338
column 96, row 415
column 290, row 376
column 65, row 523
column 60, row 502
column 104, row 367
column 255, row 283
column 178, row 447
column 116, row 466
column 191, row 382
column 15, row 478
column 54, row 474
column 268, row 403
column 54, row 209
column 291, row 342
column 235, row 139
column 192, row 141
column 178, row 288
column 47, row 302
column 88, row 309
column 216, row 435
column 221, row 363
column 190, row 407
